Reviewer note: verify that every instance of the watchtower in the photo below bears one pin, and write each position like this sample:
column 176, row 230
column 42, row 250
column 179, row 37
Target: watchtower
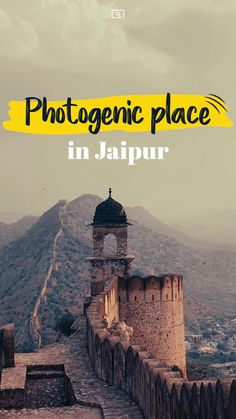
column 110, row 249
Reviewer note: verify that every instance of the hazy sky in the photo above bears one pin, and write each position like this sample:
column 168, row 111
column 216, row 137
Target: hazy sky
column 61, row 48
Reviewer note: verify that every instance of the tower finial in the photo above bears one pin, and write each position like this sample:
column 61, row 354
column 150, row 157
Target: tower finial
column 110, row 191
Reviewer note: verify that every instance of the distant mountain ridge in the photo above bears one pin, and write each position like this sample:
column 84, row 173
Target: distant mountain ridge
column 209, row 274
column 146, row 218
column 11, row 232
column 214, row 226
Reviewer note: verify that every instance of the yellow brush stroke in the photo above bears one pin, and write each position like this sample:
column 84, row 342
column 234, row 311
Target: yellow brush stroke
column 146, row 102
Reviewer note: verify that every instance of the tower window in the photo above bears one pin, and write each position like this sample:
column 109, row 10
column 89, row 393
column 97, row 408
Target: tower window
column 110, row 245
column 152, row 297
column 135, row 298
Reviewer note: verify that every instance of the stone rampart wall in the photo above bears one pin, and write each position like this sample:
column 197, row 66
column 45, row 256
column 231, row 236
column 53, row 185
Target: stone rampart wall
column 160, row 392
column 153, row 306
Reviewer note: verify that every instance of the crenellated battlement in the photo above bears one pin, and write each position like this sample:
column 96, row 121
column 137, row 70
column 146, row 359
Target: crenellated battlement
column 160, row 391
column 165, row 288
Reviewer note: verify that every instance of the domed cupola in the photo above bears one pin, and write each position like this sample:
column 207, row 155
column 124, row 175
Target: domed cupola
column 110, row 246
column 109, row 212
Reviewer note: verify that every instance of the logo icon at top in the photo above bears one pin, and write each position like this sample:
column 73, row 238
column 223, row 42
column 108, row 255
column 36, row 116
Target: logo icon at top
column 118, row 14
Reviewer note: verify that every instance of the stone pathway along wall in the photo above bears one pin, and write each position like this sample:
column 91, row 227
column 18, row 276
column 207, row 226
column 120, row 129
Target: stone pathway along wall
column 90, row 392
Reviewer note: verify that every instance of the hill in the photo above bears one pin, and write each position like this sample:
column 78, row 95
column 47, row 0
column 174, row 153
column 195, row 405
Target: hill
column 44, row 271
column 23, row 266
column 146, row 218
column 11, row 232
column 213, row 226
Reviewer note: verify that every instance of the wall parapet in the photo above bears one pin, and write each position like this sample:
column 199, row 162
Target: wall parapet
column 161, row 392
column 7, row 346
column 164, row 288
column 153, row 307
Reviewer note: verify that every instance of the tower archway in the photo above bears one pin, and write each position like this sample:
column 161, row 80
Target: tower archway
column 110, row 245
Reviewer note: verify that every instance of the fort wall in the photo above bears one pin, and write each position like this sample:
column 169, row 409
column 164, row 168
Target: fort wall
column 153, row 306
column 161, row 392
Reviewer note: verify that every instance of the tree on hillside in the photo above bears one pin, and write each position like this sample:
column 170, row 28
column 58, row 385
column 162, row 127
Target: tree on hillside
column 64, row 323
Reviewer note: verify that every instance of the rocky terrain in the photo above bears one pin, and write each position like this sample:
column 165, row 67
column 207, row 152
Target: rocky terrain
column 27, row 262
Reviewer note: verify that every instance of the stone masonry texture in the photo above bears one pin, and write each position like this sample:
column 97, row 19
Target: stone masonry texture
column 160, row 391
column 94, row 398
